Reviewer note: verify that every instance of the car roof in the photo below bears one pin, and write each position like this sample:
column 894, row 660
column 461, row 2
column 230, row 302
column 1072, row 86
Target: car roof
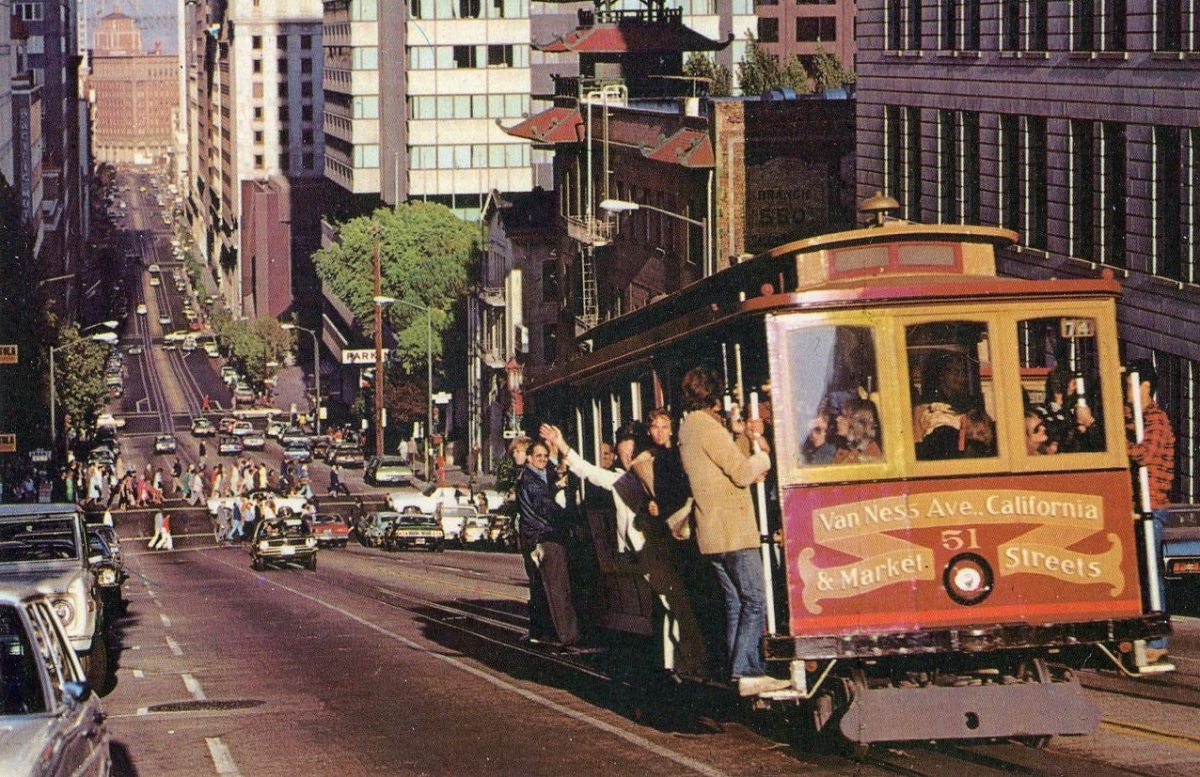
column 57, row 510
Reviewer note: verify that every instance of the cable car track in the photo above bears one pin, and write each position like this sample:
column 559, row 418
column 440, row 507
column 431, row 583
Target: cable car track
column 499, row 629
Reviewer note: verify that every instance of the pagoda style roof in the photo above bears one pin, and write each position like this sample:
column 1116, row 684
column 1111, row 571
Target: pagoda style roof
column 556, row 125
column 688, row 148
column 631, row 32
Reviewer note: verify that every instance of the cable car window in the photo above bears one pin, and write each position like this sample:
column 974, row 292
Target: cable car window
column 834, row 378
column 1060, row 382
column 953, row 399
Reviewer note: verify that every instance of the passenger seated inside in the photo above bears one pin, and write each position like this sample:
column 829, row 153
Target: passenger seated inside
column 818, row 448
column 949, row 421
column 861, row 436
column 1070, row 425
column 1037, row 441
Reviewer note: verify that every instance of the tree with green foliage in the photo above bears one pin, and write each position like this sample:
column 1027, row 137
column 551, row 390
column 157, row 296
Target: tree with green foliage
column 761, row 71
column 829, row 72
column 79, row 378
column 718, row 80
column 424, row 255
column 252, row 345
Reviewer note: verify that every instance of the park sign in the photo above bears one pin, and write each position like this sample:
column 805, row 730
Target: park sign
column 361, row 355
column 8, row 354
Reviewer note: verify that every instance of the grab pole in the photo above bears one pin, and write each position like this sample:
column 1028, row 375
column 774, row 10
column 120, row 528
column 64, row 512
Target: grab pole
column 760, row 501
column 1152, row 560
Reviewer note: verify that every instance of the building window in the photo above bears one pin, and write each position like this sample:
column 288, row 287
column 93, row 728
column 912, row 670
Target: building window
column 550, row 286
column 894, row 24
column 969, row 154
column 306, row 161
column 1039, row 25
column 305, row 42
column 914, row 25
column 306, row 65
column 949, row 197
column 768, row 29
column 464, row 57
column 500, row 56
column 306, row 89
column 285, row 161
column 283, row 88
column 258, row 161
column 306, row 113
column 912, row 163
column 258, row 136
column 1167, row 251
column 1114, row 26
column 468, row 9
column 281, row 42
column 1169, row 33
column 256, row 42
column 1098, row 25
column 1010, row 172
column 306, row 137
column 258, row 113
column 893, row 151
column 1114, row 188
column 1038, row 196
column 256, row 66
column 284, row 113
column 1083, row 184
column 285, row 138
column 813, row 29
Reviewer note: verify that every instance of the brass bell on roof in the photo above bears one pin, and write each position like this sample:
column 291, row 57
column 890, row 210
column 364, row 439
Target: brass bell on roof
column 878, row 206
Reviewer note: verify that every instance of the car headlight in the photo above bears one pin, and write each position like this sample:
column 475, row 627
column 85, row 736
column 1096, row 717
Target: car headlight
column 311, row 542
column 65, row 610
column 264, row 545
column 106, row 576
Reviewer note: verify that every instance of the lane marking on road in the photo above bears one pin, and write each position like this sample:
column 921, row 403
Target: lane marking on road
column 138, row 674
column 165, row 620
column 1149, row 732
column 222, row 759
column 582, row 717
column 171, row 643
column 193, row 686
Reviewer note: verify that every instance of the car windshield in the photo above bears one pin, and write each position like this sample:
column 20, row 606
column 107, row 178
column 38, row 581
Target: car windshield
column 325, row 520
column 21, row 691
column 417, row 522
column 40, row 540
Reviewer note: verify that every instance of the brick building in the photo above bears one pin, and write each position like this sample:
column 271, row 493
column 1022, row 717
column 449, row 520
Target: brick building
column 132, row 94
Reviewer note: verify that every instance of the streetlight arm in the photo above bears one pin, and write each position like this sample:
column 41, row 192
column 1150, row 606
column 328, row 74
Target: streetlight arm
column 623, row 206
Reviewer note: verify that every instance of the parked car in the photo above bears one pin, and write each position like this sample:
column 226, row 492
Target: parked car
column 44, row 548
column 345, row 455
column 330, row 529
column 229, row 374
column 294, row 434
column 243, row 393
column 241, row 428
column 230, row 446
column 164, row 443
column 109, row 570
column 415, row 531
column 202, row 427
column 281, row 541
column 254, row 440
column 388, row 471
column 142, row 309
column 373, row 526
column 427, row 501
column 321, row 445
column 51, row 716
column 275, row 429
column 109, row 420
column 225, row 425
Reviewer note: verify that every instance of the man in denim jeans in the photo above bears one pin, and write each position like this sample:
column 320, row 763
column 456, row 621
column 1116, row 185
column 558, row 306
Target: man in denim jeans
column 1156, row 452
column 720, row 473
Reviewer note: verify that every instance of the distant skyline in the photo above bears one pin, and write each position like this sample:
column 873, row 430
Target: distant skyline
column 155, row 18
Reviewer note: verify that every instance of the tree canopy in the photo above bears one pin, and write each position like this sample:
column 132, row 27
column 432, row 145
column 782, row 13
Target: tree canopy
column 761, row 71
column 424, row 253
column 719, row 81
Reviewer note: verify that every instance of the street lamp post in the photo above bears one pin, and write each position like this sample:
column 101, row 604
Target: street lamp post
column 428, row 375
column 380, row 301
column 624, row 206
column 99, row 337
column 316, row 366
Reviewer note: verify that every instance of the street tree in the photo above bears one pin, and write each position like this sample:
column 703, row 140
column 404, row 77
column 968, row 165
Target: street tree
column 714, row 79
column 761, row 71
column 829, row 72
column 424, row 254
column 79, row 377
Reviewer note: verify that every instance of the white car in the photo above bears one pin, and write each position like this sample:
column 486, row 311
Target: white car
column 154, row 281
column 109, row 420
column 426, row 501
column 142, row 310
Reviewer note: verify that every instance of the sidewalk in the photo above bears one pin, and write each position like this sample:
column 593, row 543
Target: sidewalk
column 291, row 388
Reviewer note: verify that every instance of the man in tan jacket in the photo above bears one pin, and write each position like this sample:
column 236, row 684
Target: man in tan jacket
column 720, row 474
